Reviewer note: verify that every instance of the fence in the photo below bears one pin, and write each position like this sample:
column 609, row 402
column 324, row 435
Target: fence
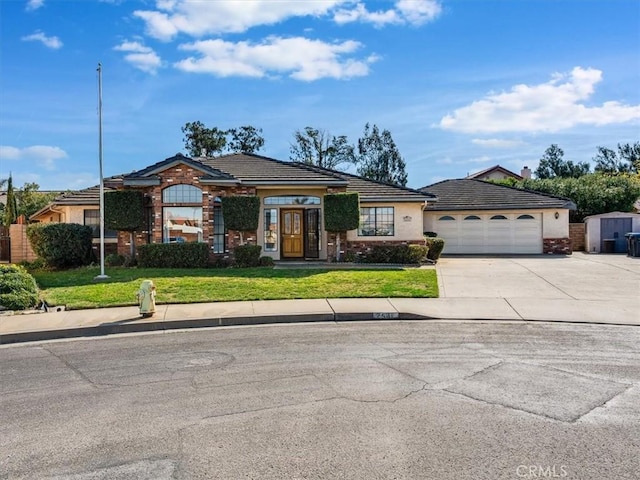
column 20, row 247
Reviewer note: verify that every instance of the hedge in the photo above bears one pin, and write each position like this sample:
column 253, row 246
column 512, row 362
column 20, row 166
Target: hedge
column 399, row 254
column 341, row 212
column 435, row 248
column 18, row 290
column 241, row 213
column 247, row 255
column 173, row 255
column 62, row 245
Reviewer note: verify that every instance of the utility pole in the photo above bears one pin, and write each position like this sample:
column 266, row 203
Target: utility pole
column 102, row 275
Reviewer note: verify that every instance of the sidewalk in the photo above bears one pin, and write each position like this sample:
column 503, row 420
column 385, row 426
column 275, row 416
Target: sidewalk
column 580, row 288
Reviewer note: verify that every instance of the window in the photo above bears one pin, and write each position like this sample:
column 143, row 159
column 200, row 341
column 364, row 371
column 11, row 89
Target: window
column 92, row 219
column 182, row 223
column 292, row 200
column 182, row 194
column 219, row 237
column 498, row 217
column 271, row 230
column 376, row 222
column 472, row 217
column 446, row 218
column 525, row 217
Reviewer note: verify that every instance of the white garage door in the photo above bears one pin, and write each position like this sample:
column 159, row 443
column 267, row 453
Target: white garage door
column 491, row 233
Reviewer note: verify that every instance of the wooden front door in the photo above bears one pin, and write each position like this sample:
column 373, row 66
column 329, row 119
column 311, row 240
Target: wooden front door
column 292, row 238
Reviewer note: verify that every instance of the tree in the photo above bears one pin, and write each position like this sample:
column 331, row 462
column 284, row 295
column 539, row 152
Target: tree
column 124, row 211
column 246, row 139
column 627, row 160
column 202, row 141
column 552, row 164
column 320, row 148
column 341, row 213
column 11, row 207
column 30, row 200
column 379, row 158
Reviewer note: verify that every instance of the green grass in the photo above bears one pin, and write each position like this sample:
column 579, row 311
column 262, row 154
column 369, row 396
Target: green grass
column 76, row 288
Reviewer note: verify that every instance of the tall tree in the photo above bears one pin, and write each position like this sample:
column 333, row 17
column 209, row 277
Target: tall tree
column 552, row 164
column 11, row 208
column 320, row 148
column 30, row 200
column 626, row 160
column 379, row 158
column 202, row 141
column 246, row 139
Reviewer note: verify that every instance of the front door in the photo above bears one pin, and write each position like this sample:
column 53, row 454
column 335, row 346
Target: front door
column 292, row 238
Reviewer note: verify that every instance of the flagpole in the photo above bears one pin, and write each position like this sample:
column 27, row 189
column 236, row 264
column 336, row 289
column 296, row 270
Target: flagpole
column 102, row 275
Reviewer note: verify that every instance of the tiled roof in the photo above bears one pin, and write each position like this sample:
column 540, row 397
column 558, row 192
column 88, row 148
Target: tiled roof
column 373, row 190
column 256, row 169
column 209, row 172
column 471, row 194
column 495, row 168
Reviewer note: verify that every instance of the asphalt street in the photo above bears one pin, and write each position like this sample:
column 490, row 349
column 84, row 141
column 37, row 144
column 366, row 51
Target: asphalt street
column 422, row 399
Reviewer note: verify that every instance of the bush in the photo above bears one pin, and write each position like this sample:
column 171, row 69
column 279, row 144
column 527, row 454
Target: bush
column 401, row 254
column 62, row 245
column 114, row 260
column 247, row 255
column 435, row 248
column 37, row 264
column 173, row 255
column 266, row 262
column 18, row 290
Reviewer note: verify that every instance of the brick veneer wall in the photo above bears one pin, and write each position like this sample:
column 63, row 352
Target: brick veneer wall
column 576, row 233
column 20, row 246
column 183, row 174
column 361, row 246
column 561, row 246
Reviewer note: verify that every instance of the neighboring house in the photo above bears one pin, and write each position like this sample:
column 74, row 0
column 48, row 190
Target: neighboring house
column 81, row 207
column 184, row 204
column 478, row 217
column 605, row 233
column 500, row 173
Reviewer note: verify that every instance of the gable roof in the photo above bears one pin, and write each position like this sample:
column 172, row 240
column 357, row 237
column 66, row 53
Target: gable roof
column 495, row 168
column 471, row 194
column 148, row 175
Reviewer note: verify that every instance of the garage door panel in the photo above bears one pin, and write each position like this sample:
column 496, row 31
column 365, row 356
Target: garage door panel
column 491, row 233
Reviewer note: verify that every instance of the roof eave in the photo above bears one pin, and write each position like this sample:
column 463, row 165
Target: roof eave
column 141, row 182
column 289, row 183
column 391, row 198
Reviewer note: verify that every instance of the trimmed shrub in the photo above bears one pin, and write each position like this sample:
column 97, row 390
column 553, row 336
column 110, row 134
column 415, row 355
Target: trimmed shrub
column 341, row 212
column 247, row 255
column 400, row 254
column 114, row 260
column 266, row 262
column 37, row 264
column 241, row 213
column 173, row 255
column 62, row 245
column 435, row 248
column 18, row 290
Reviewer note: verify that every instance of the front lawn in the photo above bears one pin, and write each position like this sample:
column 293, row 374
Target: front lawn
column 76, row 288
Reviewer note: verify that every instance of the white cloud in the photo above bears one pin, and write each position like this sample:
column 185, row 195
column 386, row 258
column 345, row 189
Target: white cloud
column 43, row 155
column 224, row 16
column 547, row 107
column 497, row 143
column 38, row 36
column 301, row 58
column 413, row 12
column 34, row 5
column 140, row 56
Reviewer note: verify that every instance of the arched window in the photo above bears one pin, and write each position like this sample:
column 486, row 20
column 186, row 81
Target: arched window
column 182, row 194
column 292, row 200
column 498, row 217
column 472, row 217
column 526, row 217
column 182, row 214
column 446, row 218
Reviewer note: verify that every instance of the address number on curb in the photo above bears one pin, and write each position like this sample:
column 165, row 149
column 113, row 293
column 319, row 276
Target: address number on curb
column 385, row 315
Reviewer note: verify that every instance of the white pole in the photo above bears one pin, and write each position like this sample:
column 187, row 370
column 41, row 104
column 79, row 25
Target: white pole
column 102, row 274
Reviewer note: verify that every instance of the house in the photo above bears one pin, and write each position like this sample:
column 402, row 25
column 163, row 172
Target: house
column 605, row 233
column 500, row 173
column 478, row 217
column 184, row 203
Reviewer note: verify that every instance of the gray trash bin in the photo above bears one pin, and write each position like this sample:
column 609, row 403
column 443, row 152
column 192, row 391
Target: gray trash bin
column 633, row 244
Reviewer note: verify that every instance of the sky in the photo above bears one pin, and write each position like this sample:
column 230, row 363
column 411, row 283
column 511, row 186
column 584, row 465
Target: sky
column 462, row 85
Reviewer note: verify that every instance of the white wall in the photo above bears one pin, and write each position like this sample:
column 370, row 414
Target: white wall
column 407, row 218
